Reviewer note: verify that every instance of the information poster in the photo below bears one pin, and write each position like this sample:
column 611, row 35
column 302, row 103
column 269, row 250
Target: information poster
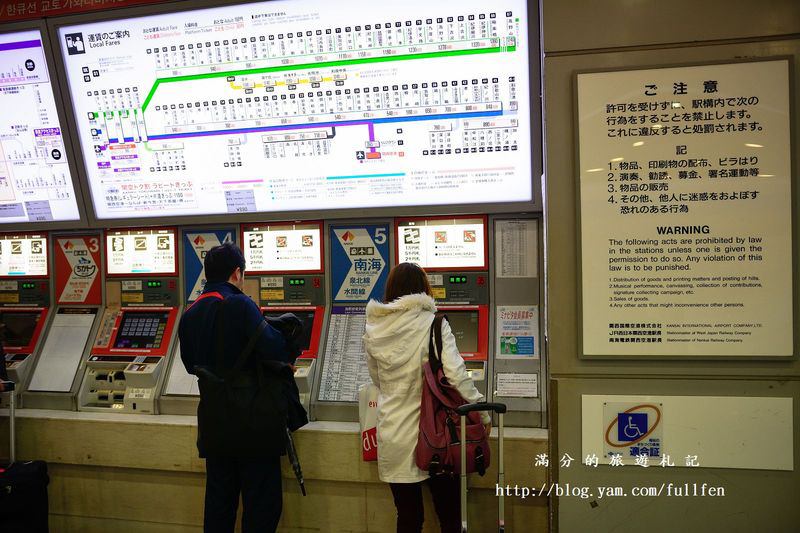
column 141, row 252
column 78, row 270
column 35, row 180
column 23, row 256
column 303, row 105
column 442, row 244
column 517, row 331
column 517, row 247
column 195, row 246
column 685, row 198
column 344, row 368
column 283, row 248
column 359, row 259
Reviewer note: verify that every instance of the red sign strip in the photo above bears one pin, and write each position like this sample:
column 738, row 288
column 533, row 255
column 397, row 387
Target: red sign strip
column 15, row 10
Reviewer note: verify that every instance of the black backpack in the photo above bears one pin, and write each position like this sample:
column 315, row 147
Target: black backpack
column 243, row 414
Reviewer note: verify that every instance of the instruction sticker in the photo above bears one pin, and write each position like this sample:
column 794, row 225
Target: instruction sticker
column 514, row 385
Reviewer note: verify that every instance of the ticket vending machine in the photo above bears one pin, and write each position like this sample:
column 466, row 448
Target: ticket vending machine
column 129, row 355
column 181, row 393
column 454, row 253
column 55, row 380
column 24, row 299
column 358, row 265
column 285, row 274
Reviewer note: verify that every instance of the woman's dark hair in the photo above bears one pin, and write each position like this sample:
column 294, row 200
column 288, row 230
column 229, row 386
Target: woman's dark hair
column 406, row 278
column 222, row 261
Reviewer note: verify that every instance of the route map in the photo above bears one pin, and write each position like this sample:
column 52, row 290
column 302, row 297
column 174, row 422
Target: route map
column 35, row 181
column 299, row 105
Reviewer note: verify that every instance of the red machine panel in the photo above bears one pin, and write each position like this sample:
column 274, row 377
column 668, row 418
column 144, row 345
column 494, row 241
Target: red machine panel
column 23, row 327
column 470, row 325
column 312, row 317
column 140, row 331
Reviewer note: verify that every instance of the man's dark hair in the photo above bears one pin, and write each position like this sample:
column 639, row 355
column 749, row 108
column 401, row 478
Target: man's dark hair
column 221, row 261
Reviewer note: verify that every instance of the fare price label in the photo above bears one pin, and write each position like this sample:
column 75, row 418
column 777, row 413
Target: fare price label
column 442, row 246
column 283, row 250
column 140, row 253
column 23, row 256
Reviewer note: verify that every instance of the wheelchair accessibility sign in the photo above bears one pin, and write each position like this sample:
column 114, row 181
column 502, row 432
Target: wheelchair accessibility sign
column 633, row 429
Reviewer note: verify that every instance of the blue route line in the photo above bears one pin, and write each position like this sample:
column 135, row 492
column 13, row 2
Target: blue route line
column 386, row 120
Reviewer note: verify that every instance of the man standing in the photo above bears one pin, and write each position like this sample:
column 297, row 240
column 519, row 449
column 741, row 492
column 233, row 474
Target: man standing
column 226, row 342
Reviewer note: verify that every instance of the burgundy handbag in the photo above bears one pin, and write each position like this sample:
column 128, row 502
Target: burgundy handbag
column 439, row 442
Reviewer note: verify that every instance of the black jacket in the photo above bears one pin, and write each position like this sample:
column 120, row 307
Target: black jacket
column 248, row 396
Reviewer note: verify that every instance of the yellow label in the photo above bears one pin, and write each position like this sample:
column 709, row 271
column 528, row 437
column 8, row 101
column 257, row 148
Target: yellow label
column 272, row 294
column 132, row 297
column 9, row 297
column 439, row 293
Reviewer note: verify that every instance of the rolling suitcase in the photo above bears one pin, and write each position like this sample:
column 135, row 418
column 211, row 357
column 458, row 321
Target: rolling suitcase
column 500, row 409
column 23, row 486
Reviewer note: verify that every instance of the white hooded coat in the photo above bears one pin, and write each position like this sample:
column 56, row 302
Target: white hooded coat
column 396, row 341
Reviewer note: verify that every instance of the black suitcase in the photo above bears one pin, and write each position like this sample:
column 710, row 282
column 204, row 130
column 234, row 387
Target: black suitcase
column 23, row 486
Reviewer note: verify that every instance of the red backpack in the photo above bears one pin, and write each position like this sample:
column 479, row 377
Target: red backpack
column 439, row 442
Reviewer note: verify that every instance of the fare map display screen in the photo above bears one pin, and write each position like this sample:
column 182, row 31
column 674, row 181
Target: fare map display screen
column 303, row 105
column 35, row 180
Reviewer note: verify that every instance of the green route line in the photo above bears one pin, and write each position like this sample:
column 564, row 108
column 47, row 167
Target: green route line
column 324, row 64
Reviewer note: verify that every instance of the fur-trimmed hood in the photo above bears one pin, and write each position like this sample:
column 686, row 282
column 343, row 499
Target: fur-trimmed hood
column 376, row 309
column 394, row 330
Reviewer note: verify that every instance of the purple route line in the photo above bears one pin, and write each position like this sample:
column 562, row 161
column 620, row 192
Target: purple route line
column 371, row 129
column 241, row 181
column 36, row 43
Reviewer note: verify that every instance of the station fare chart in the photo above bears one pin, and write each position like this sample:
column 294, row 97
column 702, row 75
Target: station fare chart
column 298, row 105
column 344, row 368
column 35, row 180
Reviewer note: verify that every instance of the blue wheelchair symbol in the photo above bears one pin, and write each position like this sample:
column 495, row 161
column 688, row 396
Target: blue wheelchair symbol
column 631, row 426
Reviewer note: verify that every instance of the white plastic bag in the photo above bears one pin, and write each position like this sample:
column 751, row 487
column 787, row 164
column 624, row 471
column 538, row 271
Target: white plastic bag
column 368, row 417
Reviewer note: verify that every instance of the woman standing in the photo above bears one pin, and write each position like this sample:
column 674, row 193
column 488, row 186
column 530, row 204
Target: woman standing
column 396, row 342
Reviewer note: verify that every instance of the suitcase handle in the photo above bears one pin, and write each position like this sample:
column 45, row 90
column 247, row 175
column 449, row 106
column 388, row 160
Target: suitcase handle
column 481, row 406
